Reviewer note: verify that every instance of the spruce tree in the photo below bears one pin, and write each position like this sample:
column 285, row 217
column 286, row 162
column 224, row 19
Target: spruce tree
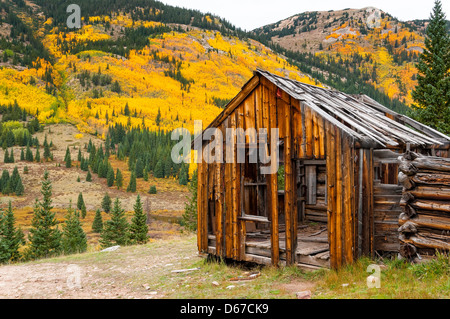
column 28, row 154
column 110, row 177
column 138, row 227
column 89, row 176
column 432, row 94
column 74, row 238
column 139, row 168
column 19, row 189
column 37, row 156
column 115, row 231
column 97, row 224
column 44, row 236
column 11, row 238
column 83, row 211
column 6, row 157
column 68, row 159
column 11, row 156
column 80, row 201
column 22, row 154
column 132, row 184
column 106, row 203
column 47, row 153
column 14, row 178
column 159, row 170
column 79, row 155
column 119, row 179
column 4, row 181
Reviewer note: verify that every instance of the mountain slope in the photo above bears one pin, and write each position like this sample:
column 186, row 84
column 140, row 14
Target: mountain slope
column 363, row 46
column 165, row 74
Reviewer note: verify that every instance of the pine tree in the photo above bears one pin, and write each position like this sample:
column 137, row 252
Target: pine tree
column 106, row 203
column 132, row 184
column 11, row 156
column 83, row 211
column 139, row 168
column 79, row 155
column 6, row 157
column 22, row 154
column 80, row 201
column 74, row 238
column 115, row 231
column 44, row 236
column 68, row 159
column 189, row 217
column 97, row 224
column 152, row 190
column 37, row 156
column 28, row 154
column 119, row 179
column 15, row 176
column 432, row 94
column 47, row 153
column 19, row 189
column 89, row 176
column 4, row 182
column 138, row 227
column 159, row 170
column 11, row 238
column 110, row 177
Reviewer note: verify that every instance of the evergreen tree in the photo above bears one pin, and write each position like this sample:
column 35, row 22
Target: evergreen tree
column 138, row 227
column 152, row 190
column 432, row 94
column 47, row 153
column 97, row 224
column 110, row 177
column 25, row 169
column 189, row 217
column 83, row 211
column 139, row 168
column 80, row 201
column 106, row 203
column 74, row 238
column 68, row 159
column 79, row 155
column 115, row 231
column 89, row 176
column 159, row 170
column 11, row 156
column 4, row 182
column 132, row 185
column 22, row 154
column 15, row 176
column 6, row 157
column 11, row 238
column 28, row 154
column 145, row 175
column 44, row 236
column 19, row 189
column 37, row 156
column 119, row 179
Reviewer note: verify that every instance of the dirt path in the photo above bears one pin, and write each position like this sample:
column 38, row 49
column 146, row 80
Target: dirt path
column 130, row 272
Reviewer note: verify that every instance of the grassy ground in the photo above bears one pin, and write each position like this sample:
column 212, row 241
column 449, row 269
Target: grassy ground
column 147, row 272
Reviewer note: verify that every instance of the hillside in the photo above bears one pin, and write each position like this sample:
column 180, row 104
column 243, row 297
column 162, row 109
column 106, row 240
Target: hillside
column 353, row 49
column 145, row 58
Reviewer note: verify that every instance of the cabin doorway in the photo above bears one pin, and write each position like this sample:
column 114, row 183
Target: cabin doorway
column 311, row 201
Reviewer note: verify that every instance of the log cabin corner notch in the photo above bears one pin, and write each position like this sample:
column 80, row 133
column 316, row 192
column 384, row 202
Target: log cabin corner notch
column 339, row 195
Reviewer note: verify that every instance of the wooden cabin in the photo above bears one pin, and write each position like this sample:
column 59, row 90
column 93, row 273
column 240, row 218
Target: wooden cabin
column 336, row 196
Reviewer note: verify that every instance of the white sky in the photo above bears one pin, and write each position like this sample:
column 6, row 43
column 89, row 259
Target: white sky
column 251, row 14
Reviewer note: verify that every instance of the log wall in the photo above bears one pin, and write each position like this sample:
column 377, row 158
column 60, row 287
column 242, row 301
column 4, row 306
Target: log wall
column 424, row 224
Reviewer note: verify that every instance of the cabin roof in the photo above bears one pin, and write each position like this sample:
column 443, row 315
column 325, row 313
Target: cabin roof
column 358, row 115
